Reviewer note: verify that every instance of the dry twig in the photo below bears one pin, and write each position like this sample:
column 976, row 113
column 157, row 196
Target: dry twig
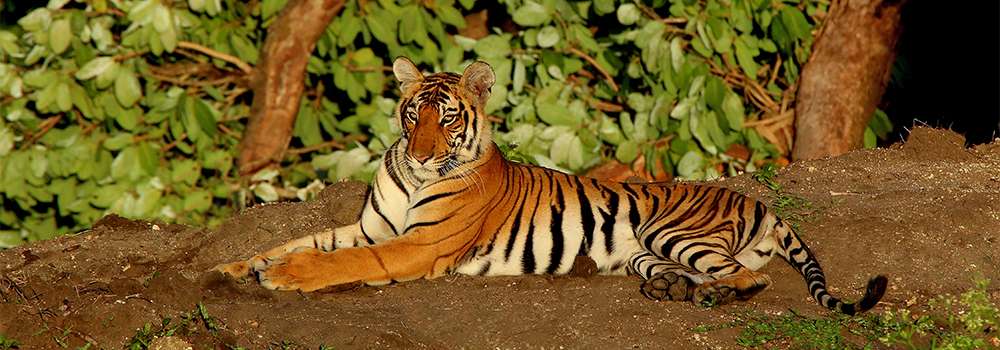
column 246, row 68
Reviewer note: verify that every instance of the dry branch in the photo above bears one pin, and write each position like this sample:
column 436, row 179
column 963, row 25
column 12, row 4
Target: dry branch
column 843, row 81
column 277, row 81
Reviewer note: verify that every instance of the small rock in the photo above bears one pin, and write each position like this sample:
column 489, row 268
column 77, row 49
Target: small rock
column 169, row 343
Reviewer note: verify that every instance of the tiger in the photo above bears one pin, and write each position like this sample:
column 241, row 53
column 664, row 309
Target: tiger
column 445, row 201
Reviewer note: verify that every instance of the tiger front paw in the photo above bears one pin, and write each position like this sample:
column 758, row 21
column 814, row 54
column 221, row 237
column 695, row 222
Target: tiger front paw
column 237, row 269
column 297, row 270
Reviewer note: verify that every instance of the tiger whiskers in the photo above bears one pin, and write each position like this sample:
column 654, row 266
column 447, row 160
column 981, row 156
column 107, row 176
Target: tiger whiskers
column 465, row 173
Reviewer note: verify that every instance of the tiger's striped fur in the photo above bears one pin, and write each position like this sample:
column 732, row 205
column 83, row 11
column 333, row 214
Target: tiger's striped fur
column 445, row 201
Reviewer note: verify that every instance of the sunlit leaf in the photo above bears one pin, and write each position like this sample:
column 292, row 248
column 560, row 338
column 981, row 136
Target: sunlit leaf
column 95, row 67
column 554, row 114
column 531, row 14
column 492, row 46
column 603, row 7
column 627, row 152
column 548, row 36
column 127, row 88
column 628, row 14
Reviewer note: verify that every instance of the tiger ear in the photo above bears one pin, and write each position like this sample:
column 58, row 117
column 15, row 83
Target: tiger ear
column 476, row 82
column 407, row 74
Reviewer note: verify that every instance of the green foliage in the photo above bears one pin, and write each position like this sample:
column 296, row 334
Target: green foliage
column 195, row 321
column 795, row 331
column 791, row 209
column 95, row 121
column 6, row 343
column 132, row 106
column 971, row 321
column 878, row 128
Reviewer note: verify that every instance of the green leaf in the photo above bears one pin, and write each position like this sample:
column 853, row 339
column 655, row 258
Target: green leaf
column 531, row 14
column 627, row 152
column 60, row 35
column 676, row 54
column 37, row 20
column 244, row 48
column 745, row 58
column 690, row 164
column 715, row 132
column 95, row 67
column 199, row 6
column 10, row 238
column 767, row 45
column 382, row 27
column 127, row 88
column 879, row 124
column 40, row 78
column 162, row 19
column 64, row 100
column 520, row 75
column 270, row 7
column 124, row 163
column 106, row 78
column 723, row 42
column 699, row 129
column 117, row 142
column 603, row 7
column 554, row 114
column 46, row 98
column 714, row 92
column 146, row 203
column 408, row 24
column 795, row 22
column 186, row 171
column 307, row 127
column 740, row 20
column 148, row 158
column 628, row 128
column 548, row 37
column 8, row 43
column 628, row 14
column 492, row 46
column 576, row 157
column 205, row 115
column 450, row 15
column 585, row 38
column 870, row 140
column 683, row 108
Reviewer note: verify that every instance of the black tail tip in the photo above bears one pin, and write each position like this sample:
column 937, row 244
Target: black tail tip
column 876, row 289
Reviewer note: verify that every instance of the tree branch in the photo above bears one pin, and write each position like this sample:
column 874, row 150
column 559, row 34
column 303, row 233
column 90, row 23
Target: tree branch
column 277, row 81
column 246, row 68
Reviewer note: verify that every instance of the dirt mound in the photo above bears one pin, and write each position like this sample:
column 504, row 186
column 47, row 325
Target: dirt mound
column 926, row 213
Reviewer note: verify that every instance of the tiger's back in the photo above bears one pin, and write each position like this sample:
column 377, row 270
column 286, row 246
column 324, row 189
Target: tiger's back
column 446, row 201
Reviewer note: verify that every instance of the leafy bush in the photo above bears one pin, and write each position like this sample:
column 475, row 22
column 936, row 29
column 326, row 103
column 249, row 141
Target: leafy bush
column 136, row 107
column 969, row 322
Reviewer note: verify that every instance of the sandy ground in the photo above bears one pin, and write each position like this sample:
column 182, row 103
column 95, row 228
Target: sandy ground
column 926, row 213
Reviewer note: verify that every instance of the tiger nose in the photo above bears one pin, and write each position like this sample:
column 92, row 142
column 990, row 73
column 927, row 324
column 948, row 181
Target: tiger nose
column 421, row 158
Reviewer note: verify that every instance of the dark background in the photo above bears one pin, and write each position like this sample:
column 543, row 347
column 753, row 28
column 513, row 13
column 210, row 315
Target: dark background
column 951, row 75
column 953, row 52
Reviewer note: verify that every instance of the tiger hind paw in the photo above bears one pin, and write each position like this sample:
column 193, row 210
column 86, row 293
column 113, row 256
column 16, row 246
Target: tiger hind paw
column 710, row 295
column 668, row 285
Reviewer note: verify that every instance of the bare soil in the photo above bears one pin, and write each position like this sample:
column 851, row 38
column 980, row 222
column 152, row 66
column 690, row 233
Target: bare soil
column 926, row 213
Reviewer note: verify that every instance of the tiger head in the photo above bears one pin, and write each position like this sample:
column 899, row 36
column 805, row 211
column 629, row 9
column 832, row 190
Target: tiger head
column 441, row 117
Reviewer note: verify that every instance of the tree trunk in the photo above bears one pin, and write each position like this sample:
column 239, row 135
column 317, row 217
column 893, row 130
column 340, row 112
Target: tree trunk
column 843, row 81
column 277, row 81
